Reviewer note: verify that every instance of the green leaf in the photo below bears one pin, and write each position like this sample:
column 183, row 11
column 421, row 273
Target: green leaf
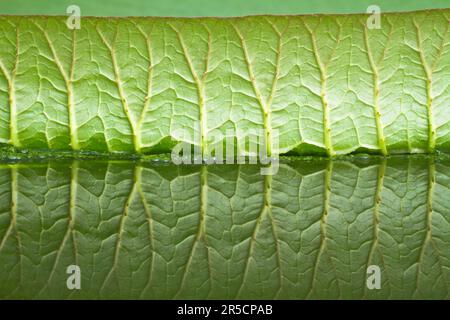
column 165, row 231
column 316, row 84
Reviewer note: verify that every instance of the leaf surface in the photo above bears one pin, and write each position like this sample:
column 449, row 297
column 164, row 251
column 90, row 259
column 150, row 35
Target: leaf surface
column 319, row 84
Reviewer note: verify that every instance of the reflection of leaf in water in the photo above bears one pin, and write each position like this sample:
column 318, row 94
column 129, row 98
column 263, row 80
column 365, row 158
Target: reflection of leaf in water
column 143, row 231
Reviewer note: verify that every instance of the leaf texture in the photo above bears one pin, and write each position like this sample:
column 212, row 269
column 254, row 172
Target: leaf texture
column 224, row 232
column 319, row 84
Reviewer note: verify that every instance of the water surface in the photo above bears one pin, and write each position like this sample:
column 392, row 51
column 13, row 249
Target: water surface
column 160, row 231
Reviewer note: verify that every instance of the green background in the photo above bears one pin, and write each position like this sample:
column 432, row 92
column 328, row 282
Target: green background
column 210, row 7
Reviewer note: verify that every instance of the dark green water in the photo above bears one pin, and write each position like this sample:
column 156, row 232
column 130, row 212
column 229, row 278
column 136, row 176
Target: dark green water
column 158, row 231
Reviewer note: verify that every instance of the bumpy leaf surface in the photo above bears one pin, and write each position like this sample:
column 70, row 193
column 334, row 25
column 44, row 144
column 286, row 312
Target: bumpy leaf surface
column 317, row 84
